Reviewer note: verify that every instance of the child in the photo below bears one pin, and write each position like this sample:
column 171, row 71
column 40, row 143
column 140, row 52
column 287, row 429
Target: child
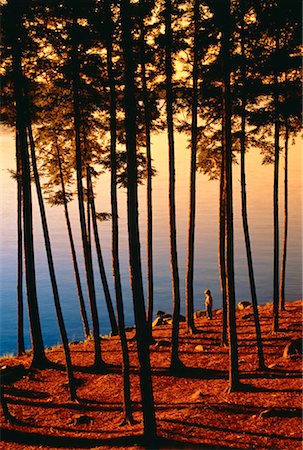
column 208, row 303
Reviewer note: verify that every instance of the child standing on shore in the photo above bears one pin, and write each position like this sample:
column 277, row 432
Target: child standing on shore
column 208, row 304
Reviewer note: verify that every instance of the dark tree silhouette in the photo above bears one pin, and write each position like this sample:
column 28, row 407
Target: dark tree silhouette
column 148, row 406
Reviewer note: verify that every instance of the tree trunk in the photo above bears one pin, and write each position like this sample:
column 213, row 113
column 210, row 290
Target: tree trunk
column 275, row 325
column 244, row 206
column 222, row 249
column 115, row 227
column 192, row 188
column 285, row 235
column 108, row 299
column 61, row 324
column 39, row 358
column 98, row 363
column 20, row 345
column 227, row 112
column 73, row 250
column 148, row 406
column 175, row 362
column 149, row 239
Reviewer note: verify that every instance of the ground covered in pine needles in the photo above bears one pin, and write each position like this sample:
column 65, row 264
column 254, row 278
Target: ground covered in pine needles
column 193, row 408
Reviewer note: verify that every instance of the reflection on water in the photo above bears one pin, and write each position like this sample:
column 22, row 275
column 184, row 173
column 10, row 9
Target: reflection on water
column 259, row 192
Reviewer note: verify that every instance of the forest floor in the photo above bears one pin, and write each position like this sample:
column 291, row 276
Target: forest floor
column 193, row 407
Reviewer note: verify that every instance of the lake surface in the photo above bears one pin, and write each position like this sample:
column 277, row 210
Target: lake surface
column 260, row 200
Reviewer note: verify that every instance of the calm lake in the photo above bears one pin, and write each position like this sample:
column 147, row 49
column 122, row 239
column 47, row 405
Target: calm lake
column 260, row 200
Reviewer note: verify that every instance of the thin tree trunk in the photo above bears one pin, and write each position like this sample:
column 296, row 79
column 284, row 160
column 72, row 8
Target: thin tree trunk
column 244, row 207
column 115, row 228
column 149, row 239
column 234, row 382
column 73, row 250
column 285, row 235
column 108, row 299
column 61, row 324
column 20, row 344
column 98, row 363
column 275, row 325
column 192, row 188
column 39, row 358
column 222, row 249
column 175, row 362
column 148, row 406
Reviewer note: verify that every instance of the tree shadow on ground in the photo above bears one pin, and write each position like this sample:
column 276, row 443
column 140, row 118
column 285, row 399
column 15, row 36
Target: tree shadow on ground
column 192, row 372
column 46, row 440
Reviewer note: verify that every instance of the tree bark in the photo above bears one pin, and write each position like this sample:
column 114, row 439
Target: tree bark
column 73, row 250
column 128, row 415
column 107, row 295
column 222, row 249
column 148, row 407
column 60, row 319
column 285, row 234
column 234, row 382
column 39, row 358
column 98, row 363
column 275, row 325
column 20, row 343
column 175, row 362
column 244, row 205
column 192, row 188
column 149, row 238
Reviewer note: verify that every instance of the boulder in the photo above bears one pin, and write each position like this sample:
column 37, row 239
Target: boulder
column 157, row 322
column 247, row 316
column 199, row 348
column 182, row 318
column 197, row 395
column 198, row 314
column 160, row 313
column 293, row 348
column 243, row 304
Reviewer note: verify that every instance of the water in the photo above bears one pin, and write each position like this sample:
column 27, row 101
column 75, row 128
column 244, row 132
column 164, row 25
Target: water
column 260, row 199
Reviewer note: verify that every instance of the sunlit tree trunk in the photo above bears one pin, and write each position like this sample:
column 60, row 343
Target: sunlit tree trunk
column 39, row 358
column 149, row 239
column 244, row 205
column 192, row 188
column 228, row 191
column 142, row 334
column 20, row 343
column 60, row 319
column 285, row 234
column 275, row 325
column 98, row 363
column 73, row 250
column 108, row 300
column 175, row 362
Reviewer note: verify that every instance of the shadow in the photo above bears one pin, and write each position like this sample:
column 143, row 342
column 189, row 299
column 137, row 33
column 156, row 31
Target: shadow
column 26, row 438
column 231, row 430
column 193, row 372
column 26, row 394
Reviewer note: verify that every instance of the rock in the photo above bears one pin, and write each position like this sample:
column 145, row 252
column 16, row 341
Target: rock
column 157, row 322
column 243, row 304
column 166, row 316
column 199, row 348
column 293, row 348
column 198, row 314
column 218, row 311
column 182, row 318
column 160, row 313
column 247, row 316
column 82, row 420
column 197, row 395
column 163, row 343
